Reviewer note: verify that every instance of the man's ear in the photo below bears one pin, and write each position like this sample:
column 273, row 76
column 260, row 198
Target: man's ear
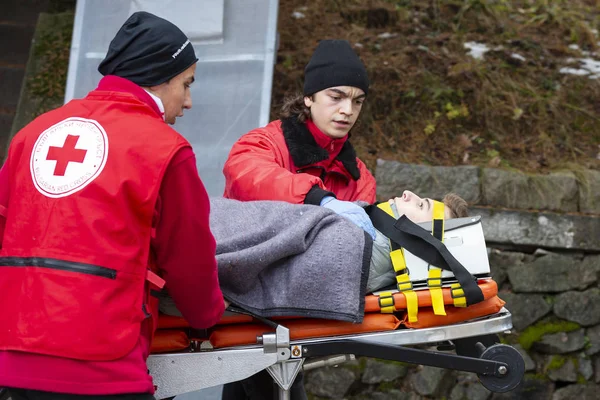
column 308, row 101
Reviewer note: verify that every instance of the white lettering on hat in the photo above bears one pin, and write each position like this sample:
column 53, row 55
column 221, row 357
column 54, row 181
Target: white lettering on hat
column 68, row 156
column 181, row 49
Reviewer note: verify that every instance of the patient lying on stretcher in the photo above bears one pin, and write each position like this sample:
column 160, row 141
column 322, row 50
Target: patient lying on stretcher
column 417, row 209
column 278, row 259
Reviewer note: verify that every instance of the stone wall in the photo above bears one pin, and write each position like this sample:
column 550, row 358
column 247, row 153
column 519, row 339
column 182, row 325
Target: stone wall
column 543, row 236
column 564, row 191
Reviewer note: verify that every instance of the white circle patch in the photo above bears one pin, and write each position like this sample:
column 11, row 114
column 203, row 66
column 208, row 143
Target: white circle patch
column 68, row 156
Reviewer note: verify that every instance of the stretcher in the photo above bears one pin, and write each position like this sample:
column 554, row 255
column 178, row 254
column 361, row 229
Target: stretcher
column 446, row 317
column 465, row 339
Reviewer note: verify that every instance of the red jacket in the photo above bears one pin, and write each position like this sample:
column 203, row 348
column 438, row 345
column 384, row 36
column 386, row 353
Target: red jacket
column 295, row 162
column 96, row 218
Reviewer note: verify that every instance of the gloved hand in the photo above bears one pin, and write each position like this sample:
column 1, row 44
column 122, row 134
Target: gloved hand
column 356, row 214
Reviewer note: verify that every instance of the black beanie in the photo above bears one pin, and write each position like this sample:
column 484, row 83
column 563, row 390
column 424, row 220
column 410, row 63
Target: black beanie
column 334, row 63
column 148, row 50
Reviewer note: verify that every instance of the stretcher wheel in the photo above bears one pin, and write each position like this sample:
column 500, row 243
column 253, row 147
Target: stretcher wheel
column 500, row 383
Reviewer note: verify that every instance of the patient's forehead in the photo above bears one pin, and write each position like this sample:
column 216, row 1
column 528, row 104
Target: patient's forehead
column 428, row 213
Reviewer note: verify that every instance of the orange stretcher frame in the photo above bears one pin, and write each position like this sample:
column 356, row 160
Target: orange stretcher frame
column 237, row 330
column 170, row 340
column 489, row 288
column 239, row 335
column 454, row 315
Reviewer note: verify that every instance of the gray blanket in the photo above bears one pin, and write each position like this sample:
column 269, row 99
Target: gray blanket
column 280, row 259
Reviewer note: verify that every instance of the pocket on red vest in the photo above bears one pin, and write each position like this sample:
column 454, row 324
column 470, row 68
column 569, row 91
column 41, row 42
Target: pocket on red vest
column 71, row 310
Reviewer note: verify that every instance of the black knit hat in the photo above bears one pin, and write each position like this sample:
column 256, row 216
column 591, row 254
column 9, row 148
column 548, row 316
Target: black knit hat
column 148, row 50
column 334, row 63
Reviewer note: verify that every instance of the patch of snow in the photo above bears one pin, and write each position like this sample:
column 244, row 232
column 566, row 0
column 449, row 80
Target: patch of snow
column 386, row 35
column 574, row 46
column 574, row 71
column 592, row 66
column 476, row 50
column 588, row 66
column 518, row 57
column 298, row 15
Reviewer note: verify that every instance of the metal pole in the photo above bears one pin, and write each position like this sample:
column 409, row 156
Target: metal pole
column 283, row 394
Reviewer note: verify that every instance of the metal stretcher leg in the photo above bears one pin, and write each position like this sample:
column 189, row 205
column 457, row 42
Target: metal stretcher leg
column 500, row 368
column 284, row 374
column 404, row 354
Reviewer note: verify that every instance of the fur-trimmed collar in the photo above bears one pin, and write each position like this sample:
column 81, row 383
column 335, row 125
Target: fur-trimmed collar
column 305, row 151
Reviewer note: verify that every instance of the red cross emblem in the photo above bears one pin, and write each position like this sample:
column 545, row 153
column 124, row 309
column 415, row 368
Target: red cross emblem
column 66, row 154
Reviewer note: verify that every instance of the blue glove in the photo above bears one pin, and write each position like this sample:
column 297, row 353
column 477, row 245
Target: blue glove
column 356, row 214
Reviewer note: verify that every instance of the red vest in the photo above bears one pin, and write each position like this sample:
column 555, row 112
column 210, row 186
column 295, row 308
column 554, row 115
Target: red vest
column 76, row 249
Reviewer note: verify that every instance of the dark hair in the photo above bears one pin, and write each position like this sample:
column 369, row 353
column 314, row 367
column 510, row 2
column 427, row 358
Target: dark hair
column 457, row 205
column 294, row 106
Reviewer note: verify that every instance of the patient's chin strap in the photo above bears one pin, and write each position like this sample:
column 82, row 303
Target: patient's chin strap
column 404, row 234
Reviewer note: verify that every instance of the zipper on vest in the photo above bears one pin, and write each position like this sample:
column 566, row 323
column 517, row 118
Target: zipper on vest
column 58, row 264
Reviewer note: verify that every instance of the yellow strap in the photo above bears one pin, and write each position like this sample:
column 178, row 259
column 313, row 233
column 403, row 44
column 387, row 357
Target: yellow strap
column 437, row 224
column 458, row 295
column 435, row 289
column 412, row 301
column 386, row 299
column 402, row 277
column 412, row 305
column 434, row 280
column 387, row 207
column 386, row 302
column 398, row 261
column 438, row 210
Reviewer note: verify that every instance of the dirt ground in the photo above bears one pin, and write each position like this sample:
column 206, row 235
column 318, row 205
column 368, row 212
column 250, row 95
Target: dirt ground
column 431, row 102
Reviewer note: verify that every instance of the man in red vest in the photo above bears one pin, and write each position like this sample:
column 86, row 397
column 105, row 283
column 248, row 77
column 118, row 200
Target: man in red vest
column 97, row 197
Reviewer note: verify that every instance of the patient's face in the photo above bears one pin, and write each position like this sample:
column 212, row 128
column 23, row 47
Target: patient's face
column 415, row 208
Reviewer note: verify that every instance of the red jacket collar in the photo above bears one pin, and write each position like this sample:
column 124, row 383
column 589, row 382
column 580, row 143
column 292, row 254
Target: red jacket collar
column 333, row 146
column 305, row 151
column 112, row 83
